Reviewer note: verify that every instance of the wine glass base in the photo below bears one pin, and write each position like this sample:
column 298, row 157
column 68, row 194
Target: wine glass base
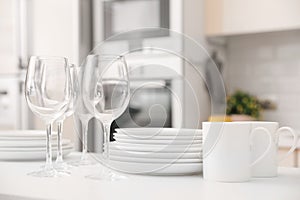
column 45, row 173
column 107, row 175
column 84, row 161
column 62, row 168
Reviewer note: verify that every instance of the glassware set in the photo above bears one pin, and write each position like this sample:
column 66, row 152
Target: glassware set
column 98, row 88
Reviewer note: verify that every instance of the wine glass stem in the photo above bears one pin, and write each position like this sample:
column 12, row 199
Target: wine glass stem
column 49, row 147
column 60, row 125
column 106, row 139
column 84, row 139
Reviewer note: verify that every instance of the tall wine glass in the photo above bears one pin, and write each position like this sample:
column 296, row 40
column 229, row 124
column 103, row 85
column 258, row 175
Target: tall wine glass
column 48, row 94
column 60, row 165
column 106, row 95
column 82, row 115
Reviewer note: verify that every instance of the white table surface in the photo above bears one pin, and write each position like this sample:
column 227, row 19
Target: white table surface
column 15, row 185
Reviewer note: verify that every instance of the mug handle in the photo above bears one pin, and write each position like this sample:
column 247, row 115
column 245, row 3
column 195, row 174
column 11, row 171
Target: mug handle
column 269, row 145
column 294, row 146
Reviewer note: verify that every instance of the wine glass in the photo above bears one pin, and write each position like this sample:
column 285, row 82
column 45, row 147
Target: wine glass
column 48, row 94
column 83, row 115
column 60, row 165
column 106, row 95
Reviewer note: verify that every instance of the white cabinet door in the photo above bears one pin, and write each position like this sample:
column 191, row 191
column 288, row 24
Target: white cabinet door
column 9, row 102
column 53, row 28
column 8, row 37
column 227, row 17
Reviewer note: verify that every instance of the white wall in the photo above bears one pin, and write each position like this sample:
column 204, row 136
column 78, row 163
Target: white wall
column 268, row 65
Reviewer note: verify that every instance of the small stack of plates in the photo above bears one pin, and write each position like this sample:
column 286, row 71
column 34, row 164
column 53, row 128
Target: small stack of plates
column 28, row 145
column 157, row 151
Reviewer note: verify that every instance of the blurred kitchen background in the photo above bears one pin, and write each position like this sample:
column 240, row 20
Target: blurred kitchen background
column 255, row 44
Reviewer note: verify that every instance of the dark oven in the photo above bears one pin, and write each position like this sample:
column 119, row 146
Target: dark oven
column 150, row 105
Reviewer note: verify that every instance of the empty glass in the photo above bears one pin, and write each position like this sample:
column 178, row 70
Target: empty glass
column 106, row 95
column 48, row 94
column 60, row 165
column 82, row 115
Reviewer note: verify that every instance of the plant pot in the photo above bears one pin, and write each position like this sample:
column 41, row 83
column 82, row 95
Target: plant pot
column 237, row 117
column 219, row 118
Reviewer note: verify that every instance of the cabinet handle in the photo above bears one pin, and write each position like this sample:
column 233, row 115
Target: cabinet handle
column 3, row 92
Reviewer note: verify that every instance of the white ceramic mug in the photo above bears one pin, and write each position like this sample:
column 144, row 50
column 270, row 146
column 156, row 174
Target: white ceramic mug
column 267, row 167
column 227, row 151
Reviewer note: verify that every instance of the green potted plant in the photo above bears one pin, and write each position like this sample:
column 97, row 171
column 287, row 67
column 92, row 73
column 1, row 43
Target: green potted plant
column 242, row 106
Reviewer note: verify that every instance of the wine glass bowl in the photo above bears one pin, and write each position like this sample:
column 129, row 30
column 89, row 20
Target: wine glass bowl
column 111, row 93
column 42, row 92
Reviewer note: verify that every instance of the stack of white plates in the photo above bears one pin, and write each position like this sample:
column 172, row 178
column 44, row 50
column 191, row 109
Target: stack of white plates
column 28, row 145
column 158, row 151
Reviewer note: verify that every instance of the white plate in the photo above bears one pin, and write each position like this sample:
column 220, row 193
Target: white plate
column 156, row 148
column 25, row 138
column 157, row 168
column 36, row 134
column 30, row 155
column 146, row 132
column 29, row 143
column 121, row 135
column 174, row 155
column 32, row 149
column 154, row 160
column 164, row 142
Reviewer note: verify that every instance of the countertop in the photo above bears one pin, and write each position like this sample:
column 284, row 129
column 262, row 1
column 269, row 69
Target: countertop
column 15, row 185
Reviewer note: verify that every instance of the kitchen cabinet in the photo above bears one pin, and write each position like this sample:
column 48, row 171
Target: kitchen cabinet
column 54, row 34
column 9, row 102
column 9, row 63
column 230, row 17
